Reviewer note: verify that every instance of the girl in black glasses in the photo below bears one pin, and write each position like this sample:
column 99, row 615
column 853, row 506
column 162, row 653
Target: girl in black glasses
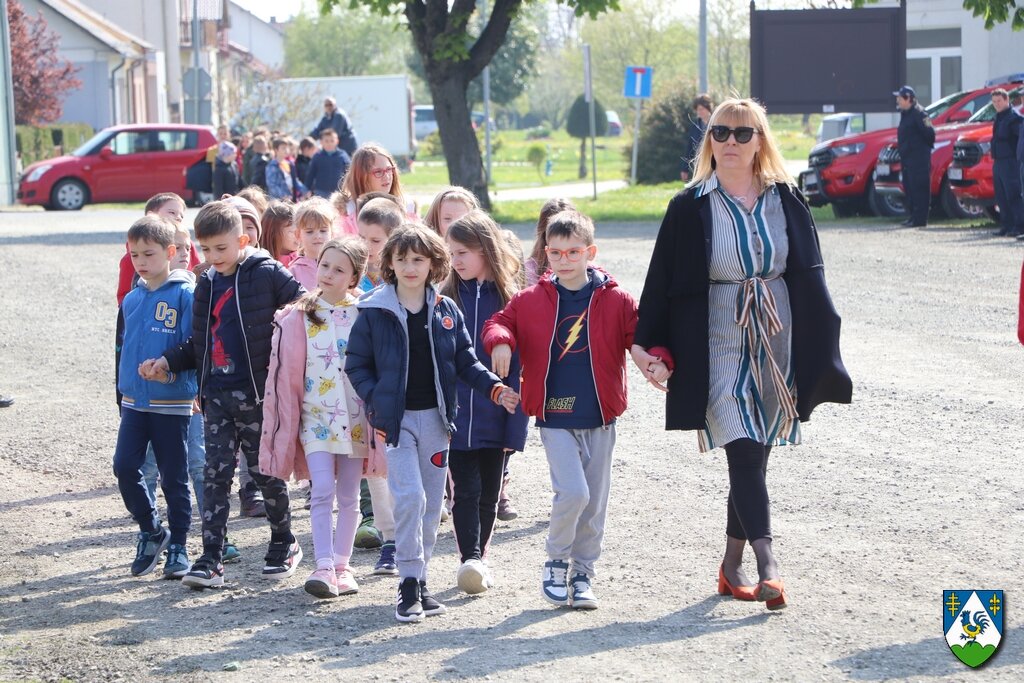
column 736, row 290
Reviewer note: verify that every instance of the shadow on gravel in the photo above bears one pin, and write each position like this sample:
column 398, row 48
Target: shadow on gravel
column 66, row 239
column 928, row 657
column 62, row 498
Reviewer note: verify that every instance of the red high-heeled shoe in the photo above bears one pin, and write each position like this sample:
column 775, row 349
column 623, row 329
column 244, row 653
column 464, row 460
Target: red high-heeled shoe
column 772, row 593
column 738, row 592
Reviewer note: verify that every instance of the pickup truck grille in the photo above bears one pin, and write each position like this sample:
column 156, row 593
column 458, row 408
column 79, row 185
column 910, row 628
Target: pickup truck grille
column 966, row 153
column 889, row 155
column 821, row 159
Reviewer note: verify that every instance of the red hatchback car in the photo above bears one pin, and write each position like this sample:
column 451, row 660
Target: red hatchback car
column 128, row 163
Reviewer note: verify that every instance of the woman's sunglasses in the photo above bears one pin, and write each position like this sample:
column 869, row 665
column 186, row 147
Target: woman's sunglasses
column 743, row 134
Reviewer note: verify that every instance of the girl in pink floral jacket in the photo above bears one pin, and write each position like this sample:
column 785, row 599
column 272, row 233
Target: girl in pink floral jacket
column 314, row 423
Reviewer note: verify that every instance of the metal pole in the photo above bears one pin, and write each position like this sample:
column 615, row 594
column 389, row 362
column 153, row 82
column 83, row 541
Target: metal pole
column 487, row 105
column 702, row 49
column 636, row 142
column 593, row 123
column 8, row 148
column 195, row 61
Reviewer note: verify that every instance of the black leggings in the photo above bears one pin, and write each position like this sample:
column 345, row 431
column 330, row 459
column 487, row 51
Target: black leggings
column 476, row 483
column 748, row 516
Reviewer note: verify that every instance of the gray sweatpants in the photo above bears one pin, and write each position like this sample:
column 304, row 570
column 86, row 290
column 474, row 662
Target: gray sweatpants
column 417, row 469
column 581, row 472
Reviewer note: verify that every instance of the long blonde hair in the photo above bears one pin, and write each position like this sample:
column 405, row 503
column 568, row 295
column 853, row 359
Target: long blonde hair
column 478, row 231
column 769, row 166
column 352, row 247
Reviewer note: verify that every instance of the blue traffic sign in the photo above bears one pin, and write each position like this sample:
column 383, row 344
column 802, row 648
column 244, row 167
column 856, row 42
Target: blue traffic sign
column 638, row 82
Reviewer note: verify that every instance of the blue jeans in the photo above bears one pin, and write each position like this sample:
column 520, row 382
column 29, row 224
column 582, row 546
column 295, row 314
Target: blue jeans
column 168, row 434
column 196, row 461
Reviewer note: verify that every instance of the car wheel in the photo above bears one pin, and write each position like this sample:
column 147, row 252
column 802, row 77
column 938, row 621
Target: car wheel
column 69, row 195
column 954, row 208
column 885, row 205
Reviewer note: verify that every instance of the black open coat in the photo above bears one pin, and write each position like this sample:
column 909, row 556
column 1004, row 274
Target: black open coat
column 674, row 309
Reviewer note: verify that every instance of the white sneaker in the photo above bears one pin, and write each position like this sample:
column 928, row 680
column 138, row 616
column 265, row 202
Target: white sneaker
column 473, row 577
column 553, row 585
column 581, row 593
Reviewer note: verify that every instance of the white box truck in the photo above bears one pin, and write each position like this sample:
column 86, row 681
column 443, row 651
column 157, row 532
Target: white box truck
column 380, row 107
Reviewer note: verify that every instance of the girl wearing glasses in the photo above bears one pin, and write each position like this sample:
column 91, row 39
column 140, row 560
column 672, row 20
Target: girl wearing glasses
column 373, row 169
column 736, row 289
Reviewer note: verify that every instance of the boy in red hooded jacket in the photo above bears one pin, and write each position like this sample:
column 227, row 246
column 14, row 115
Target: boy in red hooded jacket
column 572, row 330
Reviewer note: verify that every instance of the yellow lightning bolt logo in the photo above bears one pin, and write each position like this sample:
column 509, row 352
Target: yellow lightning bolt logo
column 574, row 334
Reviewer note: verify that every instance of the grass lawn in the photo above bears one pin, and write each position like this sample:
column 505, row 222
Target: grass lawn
column 641, row 203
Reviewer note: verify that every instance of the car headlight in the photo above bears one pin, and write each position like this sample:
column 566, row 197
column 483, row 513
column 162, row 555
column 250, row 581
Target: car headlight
column 38, row 172
column 985, row 147
column 848, row 150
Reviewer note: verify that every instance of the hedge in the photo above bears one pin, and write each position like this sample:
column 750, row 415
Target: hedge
column 35, row 143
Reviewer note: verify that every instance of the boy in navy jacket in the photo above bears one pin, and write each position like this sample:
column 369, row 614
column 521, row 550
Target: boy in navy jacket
column 157, row 316
column 235, row 303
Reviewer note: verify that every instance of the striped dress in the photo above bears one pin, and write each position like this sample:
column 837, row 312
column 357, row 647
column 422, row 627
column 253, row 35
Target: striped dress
column 752, row 393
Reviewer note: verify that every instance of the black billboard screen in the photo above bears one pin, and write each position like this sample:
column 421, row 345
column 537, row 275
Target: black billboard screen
column 808, row 61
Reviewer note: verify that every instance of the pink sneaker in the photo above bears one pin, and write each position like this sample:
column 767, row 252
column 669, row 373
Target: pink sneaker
column 322, row 583
column 346, row 582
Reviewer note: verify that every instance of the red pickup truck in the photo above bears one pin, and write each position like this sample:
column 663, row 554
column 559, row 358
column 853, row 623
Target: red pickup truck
column 841, row 170
column 889, row 179
column 970, row 174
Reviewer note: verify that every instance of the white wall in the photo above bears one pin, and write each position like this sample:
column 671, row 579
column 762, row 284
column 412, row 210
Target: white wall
column 264, row 41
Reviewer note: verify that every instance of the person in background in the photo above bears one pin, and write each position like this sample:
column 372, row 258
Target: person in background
column 915, row 138
column 225, row 166
column 255, row 172
column 281, row 180
column 338, row 120
column 327, row 167
column 448, row 206
column 1006, row 175
column 278, row 236
column 307, row 148
column 702, row 106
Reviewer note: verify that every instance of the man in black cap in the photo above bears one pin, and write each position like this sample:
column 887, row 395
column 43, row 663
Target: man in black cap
column 915, row 138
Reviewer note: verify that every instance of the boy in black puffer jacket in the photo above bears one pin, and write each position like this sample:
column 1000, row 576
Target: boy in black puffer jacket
column 234, row 308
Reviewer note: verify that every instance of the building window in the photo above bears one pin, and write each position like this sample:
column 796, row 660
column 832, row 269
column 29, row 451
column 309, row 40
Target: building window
column 934, row 63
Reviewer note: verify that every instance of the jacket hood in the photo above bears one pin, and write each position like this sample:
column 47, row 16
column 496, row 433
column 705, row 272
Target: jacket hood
column 176, row 276
column 387, row 298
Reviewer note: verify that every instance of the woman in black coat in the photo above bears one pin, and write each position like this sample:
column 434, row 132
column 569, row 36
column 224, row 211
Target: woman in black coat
column 736, row 290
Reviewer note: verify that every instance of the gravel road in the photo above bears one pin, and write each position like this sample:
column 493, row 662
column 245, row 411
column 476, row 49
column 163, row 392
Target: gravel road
column 913, row 489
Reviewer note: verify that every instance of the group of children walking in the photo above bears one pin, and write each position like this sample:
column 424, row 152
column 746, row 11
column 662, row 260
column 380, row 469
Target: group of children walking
column 360, row 343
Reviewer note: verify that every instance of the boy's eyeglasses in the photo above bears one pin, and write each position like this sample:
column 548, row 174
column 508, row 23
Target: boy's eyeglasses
column 380, row 173
column 574, row 255
column 743, row 134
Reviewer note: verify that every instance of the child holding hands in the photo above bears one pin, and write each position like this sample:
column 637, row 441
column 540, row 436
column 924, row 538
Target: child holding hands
column 407, row 349
column 312, row 418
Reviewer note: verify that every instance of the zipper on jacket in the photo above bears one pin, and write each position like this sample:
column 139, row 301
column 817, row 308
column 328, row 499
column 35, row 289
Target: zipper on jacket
column 472, row 391
column 208, row 343
column 245, row 339
column 590, row 352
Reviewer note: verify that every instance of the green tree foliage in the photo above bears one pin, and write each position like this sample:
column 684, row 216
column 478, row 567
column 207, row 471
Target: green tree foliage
column 663, row 136
column 349, row 41
column 578, row 126
column 451, row 60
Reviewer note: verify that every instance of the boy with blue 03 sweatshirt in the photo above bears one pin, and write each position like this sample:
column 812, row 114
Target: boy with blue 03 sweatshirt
column 157, row 316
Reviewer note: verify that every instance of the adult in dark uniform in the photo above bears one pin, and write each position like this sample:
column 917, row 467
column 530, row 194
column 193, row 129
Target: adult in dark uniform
column 915, row 138
column 338, row 120
column 1006, row 134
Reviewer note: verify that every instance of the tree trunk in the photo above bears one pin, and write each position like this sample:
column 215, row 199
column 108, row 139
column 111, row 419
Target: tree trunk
column 583, row 158
column 461, row 150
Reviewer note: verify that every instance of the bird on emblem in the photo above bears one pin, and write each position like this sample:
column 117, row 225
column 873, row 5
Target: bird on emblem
column 972, row 631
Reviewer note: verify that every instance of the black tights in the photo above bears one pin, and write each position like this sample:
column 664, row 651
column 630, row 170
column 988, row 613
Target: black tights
column 748, row 516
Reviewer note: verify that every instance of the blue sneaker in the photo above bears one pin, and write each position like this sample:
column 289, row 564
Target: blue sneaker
column 553, row 582
column 148, row 549
column 230, row 554
column 386, row 563
column 582, row 593
column 205, row 573
column 177, row 564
